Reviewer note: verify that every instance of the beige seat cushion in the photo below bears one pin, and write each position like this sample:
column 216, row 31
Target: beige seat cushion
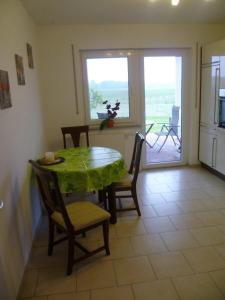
column 126, row 181
column 82, row 214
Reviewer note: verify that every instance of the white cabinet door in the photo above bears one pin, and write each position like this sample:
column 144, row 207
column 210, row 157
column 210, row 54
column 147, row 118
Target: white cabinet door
column 209, row 94
column 220, row 157
column 207, row 147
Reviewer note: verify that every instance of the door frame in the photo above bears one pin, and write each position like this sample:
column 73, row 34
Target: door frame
column 185, row 95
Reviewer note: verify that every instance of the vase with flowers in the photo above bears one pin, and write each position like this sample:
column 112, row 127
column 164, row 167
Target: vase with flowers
column 110, row 115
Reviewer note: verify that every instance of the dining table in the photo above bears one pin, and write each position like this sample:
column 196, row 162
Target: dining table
column 87, row 169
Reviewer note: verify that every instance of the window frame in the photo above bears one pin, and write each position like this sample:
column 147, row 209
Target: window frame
column 134, row 108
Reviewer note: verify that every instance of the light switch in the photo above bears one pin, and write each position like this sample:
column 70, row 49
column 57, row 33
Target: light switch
column 1, row 204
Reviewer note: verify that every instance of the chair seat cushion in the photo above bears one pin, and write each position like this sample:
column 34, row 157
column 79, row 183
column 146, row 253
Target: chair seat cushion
column 125, row 182
column 82, row 214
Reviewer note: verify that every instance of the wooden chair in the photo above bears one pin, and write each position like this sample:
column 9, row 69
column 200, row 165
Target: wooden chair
column 128, row 183
column 75, row 132
column 72, row 219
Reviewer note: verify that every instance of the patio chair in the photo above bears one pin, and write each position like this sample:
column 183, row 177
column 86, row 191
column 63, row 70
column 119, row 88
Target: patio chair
column 75, row 133
column 102, row 116
column 148, row 129
column 128, row 183
column 170, row 129
column 72, row 219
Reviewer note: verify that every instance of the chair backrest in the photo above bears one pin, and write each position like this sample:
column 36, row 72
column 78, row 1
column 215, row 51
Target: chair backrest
column 174, row 120
column 50, row 192
column 102, row 116
column 136, row 157
column 75, row 132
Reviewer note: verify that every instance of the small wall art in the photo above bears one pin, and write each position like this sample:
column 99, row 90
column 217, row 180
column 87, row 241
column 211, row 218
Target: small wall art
column 30, row 56
column 5, row 98
column 20, row 70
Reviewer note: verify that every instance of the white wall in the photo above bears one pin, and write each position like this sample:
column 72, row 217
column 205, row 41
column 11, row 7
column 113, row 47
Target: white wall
column 21, row 136
column 57, row 73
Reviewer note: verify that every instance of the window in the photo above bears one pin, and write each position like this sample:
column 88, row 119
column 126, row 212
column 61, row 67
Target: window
column 107, row 76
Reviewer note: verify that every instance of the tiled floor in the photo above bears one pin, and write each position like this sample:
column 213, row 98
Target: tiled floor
column 176, row 250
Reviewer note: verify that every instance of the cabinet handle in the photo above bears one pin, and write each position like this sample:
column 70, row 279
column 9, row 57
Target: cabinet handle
column 217, row 76
column 213, row 153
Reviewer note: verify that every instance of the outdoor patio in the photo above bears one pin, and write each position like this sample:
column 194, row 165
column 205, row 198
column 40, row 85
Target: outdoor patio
column 168, row 153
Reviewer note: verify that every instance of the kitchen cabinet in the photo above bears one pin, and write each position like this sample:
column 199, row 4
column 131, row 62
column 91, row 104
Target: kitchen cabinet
column 209, row 94
column 220, row 151
column 212, row 137
column 208, row 147
column 211, row 52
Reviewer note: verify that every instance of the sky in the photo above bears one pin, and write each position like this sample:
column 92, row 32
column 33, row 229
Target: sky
column 158, row 70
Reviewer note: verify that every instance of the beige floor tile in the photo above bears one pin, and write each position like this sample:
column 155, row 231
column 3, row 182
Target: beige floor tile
column 216, row 192
column 71, row 296
column 29, row 283
column 147, row 244
column 40, row 259
column 115, row 293
column 120, row 248
column 147, row 211
column 159, row 188
column 129, row 227
column 221, row 227
column 215, row 203
column 132, row 270
column 192, row 206
column 195, row 194
column 179, row 240
column 155, row 290
column 54, row 281
column 204, row 259
column 41, row 238
column 157, row 225
column 174, row 196
column 149, row 199
column 167, row 209
column 179, row 186
column 220, row 249
column 185, row 221
column 96, row 234
column 197, row 287
column 208, row 236
column 211, row 218
column 219, row 278
column 170, row 264
column 95, row 275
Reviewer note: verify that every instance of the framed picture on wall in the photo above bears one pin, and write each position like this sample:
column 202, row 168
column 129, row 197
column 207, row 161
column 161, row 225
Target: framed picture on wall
column 30, row 56
column 20, row 70
column 5, row 98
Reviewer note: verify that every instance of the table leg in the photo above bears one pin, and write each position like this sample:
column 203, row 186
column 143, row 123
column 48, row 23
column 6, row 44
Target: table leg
column 112, row 204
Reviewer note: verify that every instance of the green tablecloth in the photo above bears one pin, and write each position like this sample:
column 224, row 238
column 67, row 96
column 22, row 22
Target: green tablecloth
column 88, row 169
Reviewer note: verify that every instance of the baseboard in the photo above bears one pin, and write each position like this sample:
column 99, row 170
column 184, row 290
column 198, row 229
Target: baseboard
column 213, row 171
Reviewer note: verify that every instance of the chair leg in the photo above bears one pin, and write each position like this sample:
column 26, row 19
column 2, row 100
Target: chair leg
column 106, row 237
column 51, row 232
column 112, row 204
column 134, row 195
column 120, row 203
column 70, row 260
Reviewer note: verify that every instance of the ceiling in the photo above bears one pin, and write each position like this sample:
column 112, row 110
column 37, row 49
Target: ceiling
column 68, row 12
